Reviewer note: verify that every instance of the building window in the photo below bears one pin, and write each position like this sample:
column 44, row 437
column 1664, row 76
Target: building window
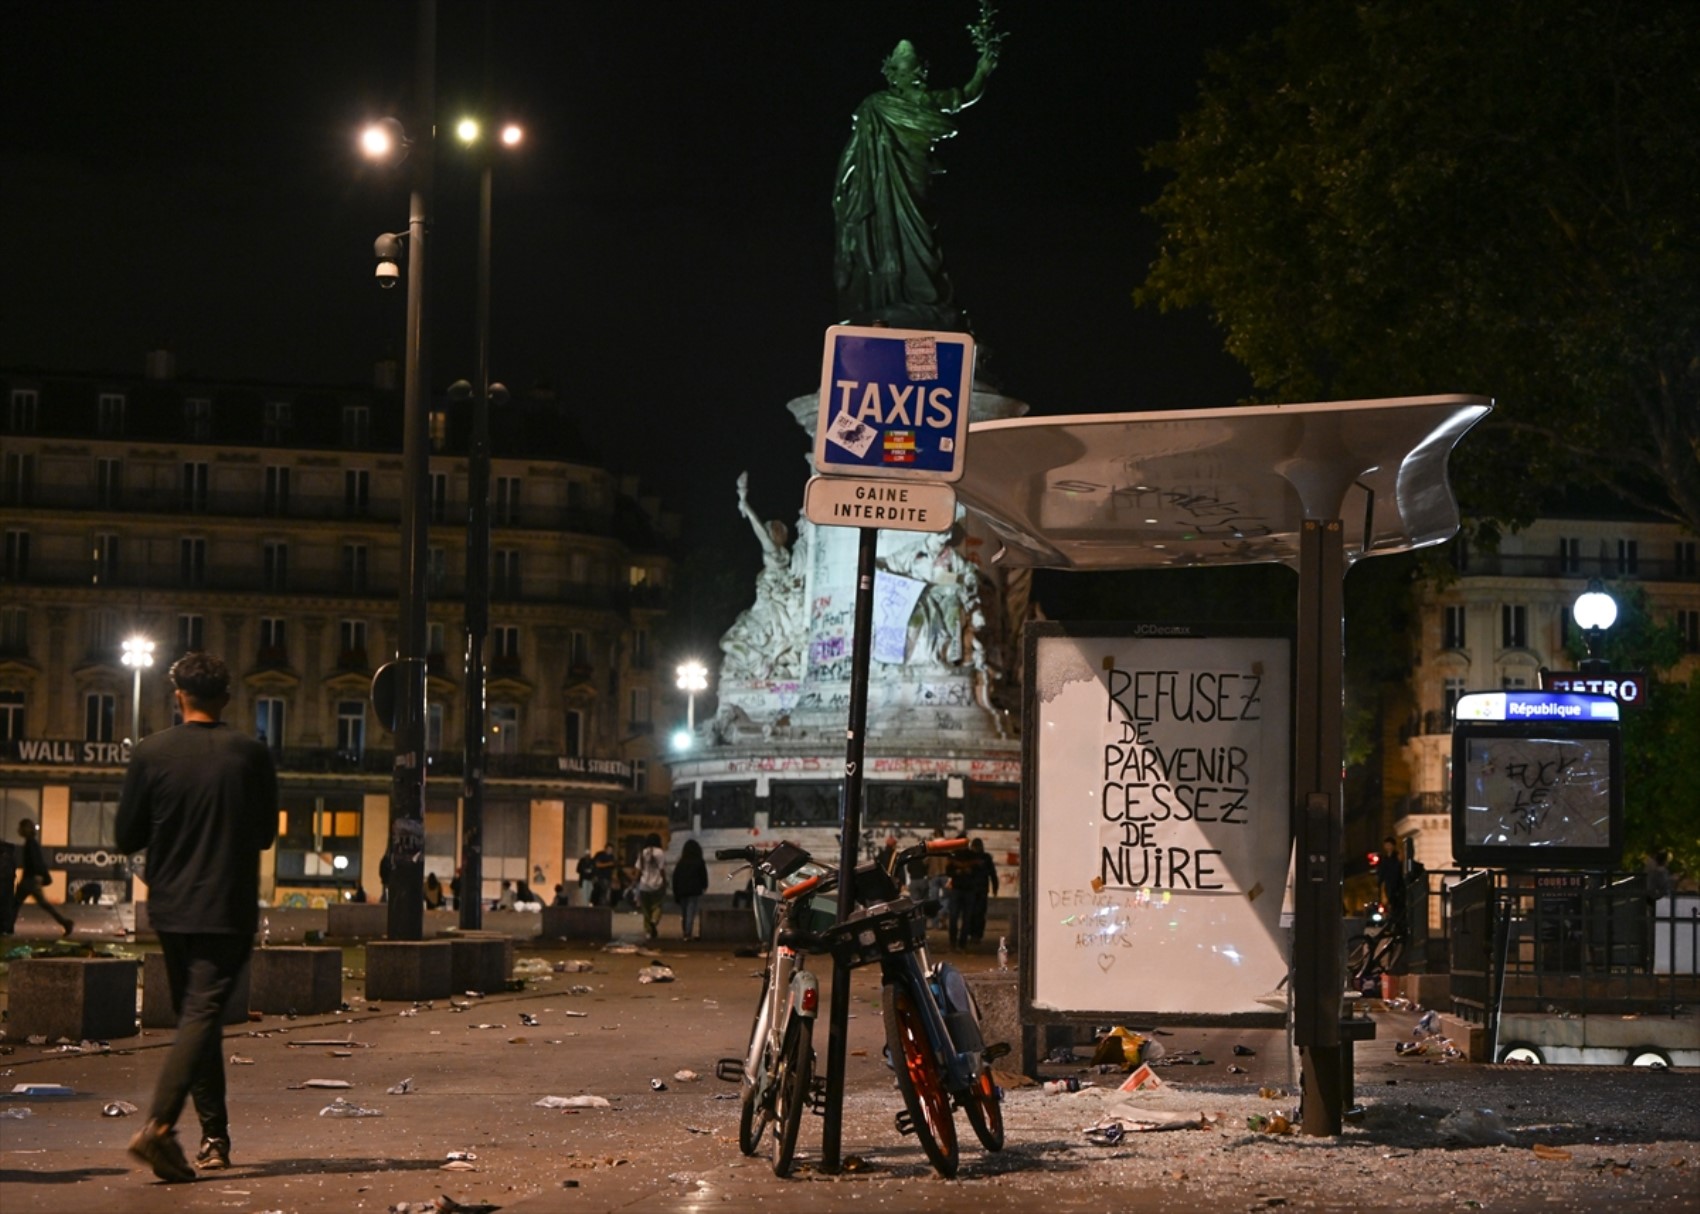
column 191, row 634
column 1452, row 690
column 109, row 414
column 197, row 419
column 17, row 554
column 277, row 489
column 505, row 581
column 572, row 742
column 351, row 729
column 640, row 775
column 352, row 655
column 436, row 639
column 105, row 557
column 439, row 497
column 1569, row 554
column 14, row 631
column 274, row 641
column 640, row 649
column 103, row 631
column 437, row 429
column 1684, row 559
column 274, row 566
column 100, row 711
column 195, row 488
column 192, row 561
column 25, row 412
column 274, row 421
column 109, row 482
column 356, row 426
column 1688, row 628
column 578, row 651
column 1628, row 558
column 356, row 492
column 578, row 568
column 94, row 818
column 507, row 501
column 637, row 701
column 434, row 726
column 268, row 722
column 506, row 638
column 17, row 484
column 354, row 568
column 1452, row 627
column 1513, row 626
column 11, row 715
column 504, row 730
column 1514, row 682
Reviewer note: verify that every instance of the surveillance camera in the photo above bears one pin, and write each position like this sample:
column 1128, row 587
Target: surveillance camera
column 388, row 274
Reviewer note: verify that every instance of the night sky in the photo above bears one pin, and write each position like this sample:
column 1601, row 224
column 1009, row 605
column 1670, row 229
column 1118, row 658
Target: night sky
column 184, row 174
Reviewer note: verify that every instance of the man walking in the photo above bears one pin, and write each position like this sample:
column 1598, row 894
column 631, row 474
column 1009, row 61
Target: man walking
column 34, row 877
column 202, row 799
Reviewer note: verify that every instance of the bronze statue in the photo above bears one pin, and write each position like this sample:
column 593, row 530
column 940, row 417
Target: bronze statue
column 888, row 266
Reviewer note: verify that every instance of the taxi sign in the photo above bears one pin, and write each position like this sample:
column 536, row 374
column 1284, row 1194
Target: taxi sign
column 845, row 501
column 894, row 403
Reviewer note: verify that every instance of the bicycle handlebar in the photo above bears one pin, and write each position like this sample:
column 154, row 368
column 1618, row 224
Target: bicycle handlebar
column 808, row 886
column 737, row 853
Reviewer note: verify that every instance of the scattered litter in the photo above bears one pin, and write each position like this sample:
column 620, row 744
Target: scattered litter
column 339, row 1053
column 573, row 1102
column 404, row 1088
column 655, row 1085
column 686, row 1076
column 1475, row 1127
column 527, row 1019
column 468, row 1155
column 1062, row 1053
column 34, row 1090
column 36, row 1039
column 1144, row 1077
column 486, row 1026
column 118, row 1108
column 1129, row 1120
column 1059, row 1086
column 1236, row 1070
column 341, row 1108
column 347, row 1043
column 439, row 1205
column 578, row 1015
column 241, row 1060
column 623, row 949
column 325, row 1083
column 581, row 990
column 1244, row 1051
column 572, row 967
column 697, row 1129
column 458, row 1165
column 655, row 973
column 1542, row 1151
column 1274, row 1123
column 18, row 1113
column 1271, row 1093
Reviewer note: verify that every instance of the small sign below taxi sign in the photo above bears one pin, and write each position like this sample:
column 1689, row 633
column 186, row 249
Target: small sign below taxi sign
column 847, row 501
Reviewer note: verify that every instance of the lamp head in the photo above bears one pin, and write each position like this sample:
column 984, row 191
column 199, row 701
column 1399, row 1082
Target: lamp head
column 384, row 142
column 1594, row 608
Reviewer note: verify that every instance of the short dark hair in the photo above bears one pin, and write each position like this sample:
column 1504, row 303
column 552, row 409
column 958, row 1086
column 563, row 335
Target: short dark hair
column 201, row 676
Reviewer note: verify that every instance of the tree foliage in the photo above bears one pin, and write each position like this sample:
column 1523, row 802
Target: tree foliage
column 1386, row 198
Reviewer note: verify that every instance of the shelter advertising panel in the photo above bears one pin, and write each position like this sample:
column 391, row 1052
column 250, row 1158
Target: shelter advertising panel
column 1157, row 816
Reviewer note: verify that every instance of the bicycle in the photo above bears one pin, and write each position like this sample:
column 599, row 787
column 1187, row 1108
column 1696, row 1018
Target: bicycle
column 1376, row 950
column 932, row 1023
column 777, row 1071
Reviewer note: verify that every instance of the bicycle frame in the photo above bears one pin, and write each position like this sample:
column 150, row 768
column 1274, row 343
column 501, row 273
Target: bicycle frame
column 963, row 1060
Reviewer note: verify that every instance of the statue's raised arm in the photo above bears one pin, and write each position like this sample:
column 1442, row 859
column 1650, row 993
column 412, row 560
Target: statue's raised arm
column 888, row 266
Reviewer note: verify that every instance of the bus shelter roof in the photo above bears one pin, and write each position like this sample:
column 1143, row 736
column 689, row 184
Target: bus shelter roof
column 1227, row 486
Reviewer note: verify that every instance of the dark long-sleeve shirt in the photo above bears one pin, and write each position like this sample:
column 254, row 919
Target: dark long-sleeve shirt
column 202, row 799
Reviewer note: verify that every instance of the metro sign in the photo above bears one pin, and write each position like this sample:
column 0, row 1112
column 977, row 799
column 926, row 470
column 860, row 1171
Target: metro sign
column 1628, row 689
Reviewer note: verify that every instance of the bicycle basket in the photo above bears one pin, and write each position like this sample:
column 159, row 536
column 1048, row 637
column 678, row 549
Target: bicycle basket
column 881, row 931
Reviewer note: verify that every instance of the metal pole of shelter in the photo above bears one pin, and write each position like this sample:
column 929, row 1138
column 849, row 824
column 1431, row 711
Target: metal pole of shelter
column 1319, row 827
column 406, row 918
column 471, row 901
column 838, row 1017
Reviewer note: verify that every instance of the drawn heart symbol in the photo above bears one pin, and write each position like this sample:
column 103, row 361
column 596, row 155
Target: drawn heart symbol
column 849, row 769
column 1106, row 960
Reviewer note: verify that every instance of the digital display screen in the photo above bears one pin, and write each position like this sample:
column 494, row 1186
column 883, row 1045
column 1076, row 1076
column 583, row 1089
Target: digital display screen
column 1536, row 795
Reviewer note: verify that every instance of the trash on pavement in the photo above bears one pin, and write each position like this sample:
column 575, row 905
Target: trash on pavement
column 34, row 1091
column 686, row 1076
column 1273, row 1123
column 655, row 973
column 572, row 967
column 404, row 1088
column 573, row 1102
column 1144, row 1077
column 17, row 1114
column 327, row 1083
column 1475, row 1127
column 241, row 1060
column 342, row 1108
column 1129, row 1120
column 118, row 1108
column 656, row 1085
column 1244, row 1051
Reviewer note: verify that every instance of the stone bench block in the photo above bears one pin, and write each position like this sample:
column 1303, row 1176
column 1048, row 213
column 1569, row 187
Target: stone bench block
column 82, row 998
column 728, row 925
column 360, row 920
column 578, row 922
column 303, row 980
column 409, row 969
column 480, row 961
column 157, row 1012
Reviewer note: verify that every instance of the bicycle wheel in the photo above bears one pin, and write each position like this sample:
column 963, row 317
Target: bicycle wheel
column 791, row 1091
column 1388, row 950
column 985, row 1111
column 753, row 1114
column 1357, row 956
column 918, row 1078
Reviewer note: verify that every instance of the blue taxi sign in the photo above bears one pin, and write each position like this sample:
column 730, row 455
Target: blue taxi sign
column 894, row 403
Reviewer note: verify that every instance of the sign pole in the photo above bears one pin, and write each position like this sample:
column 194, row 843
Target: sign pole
column 838, row 1016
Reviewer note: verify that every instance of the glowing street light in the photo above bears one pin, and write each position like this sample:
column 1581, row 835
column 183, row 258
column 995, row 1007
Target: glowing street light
column 693, row 677
column 1594, row 611
column 138, row 656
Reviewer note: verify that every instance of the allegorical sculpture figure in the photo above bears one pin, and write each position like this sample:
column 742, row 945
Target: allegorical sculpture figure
column 888, row 265
column 766, row 641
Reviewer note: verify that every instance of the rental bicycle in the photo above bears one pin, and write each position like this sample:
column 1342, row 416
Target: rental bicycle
column 777, row 1072
column 932, row 1023
column 1376, row 951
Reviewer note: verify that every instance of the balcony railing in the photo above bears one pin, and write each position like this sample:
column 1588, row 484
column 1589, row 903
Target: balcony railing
column 1647, row 568
column 257, row 504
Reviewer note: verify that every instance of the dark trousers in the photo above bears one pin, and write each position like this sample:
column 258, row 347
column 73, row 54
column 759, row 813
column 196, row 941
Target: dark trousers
column 202, row 970
column 30, row 887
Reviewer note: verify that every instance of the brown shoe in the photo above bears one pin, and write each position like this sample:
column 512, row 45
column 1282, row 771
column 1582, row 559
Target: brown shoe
column 156, row 1145
column 213, row 1155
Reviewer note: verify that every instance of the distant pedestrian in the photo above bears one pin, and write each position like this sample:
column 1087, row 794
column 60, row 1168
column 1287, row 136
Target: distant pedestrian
column 506, row 899
column 202, row 799
column 972, row 877
column 561, row 898
column 606, row 866
column 652, row 885
column 938, row 881
column 433, row 892
column 359, row 894
column 587, row 878
column 386, row 872
column 690, row 882
column 32, row 880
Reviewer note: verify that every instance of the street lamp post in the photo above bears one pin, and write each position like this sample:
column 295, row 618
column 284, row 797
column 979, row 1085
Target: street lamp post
column 138, row 656
column 1594, row 611
column 693, row 677
column 477, row 602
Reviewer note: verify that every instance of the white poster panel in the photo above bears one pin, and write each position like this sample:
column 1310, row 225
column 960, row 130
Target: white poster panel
column 1159, row 809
